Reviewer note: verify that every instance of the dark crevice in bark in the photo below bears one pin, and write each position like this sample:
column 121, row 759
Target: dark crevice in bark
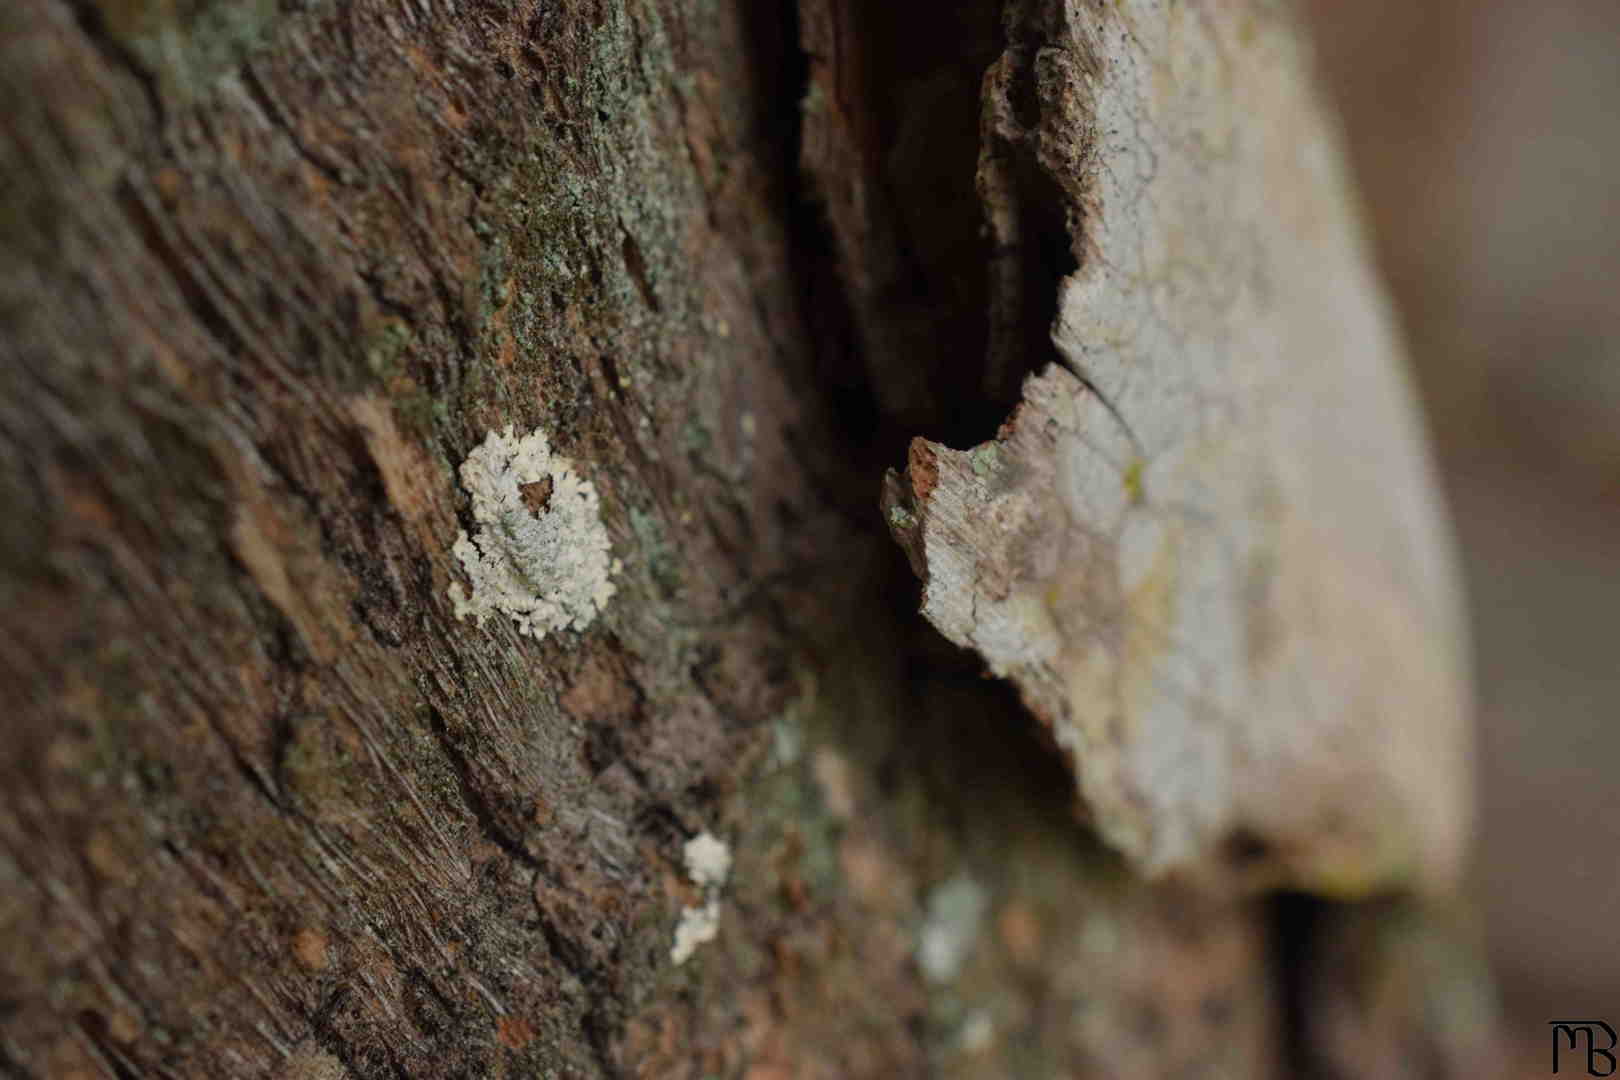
column 839, row 378
column 890, row 144
column 937, row 222
column 1035, row 214
column 889, row 99
column 474, row 799
column 636, row 265
column 1027, row 277
column 10, row 1069
column 88, row 14
column 94, row 1028
column 1295, row 921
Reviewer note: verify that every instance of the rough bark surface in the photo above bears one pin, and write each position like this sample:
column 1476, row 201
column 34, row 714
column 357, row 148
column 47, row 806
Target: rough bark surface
column 270, row 271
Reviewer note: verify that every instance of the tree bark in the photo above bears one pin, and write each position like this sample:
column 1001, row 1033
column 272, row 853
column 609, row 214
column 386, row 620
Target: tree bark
column 268, row 274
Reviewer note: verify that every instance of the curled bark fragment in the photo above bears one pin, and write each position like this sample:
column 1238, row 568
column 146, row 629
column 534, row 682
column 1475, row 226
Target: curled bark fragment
column 1210, row 554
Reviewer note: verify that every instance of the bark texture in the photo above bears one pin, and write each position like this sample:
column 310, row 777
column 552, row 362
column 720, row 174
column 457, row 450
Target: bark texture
column 268, row 272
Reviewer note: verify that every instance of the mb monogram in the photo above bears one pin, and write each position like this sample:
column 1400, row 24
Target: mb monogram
column 1568, row 1035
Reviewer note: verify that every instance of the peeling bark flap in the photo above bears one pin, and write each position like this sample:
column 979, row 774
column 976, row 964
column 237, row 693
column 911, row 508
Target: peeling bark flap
column 1214, row 563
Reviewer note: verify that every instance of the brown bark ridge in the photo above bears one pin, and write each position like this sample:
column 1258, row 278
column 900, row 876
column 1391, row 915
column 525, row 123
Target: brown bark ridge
column 268, row 273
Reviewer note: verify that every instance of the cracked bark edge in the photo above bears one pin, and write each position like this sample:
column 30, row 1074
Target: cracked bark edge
column 1210, row 555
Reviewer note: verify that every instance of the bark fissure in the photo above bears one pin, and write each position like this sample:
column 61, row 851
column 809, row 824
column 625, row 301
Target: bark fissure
column 474, row 799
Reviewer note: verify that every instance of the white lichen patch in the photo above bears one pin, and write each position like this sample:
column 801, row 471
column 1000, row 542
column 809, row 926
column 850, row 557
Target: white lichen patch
column 540, row 554
column 698, row 926
column 708, row 860
column 708, row 864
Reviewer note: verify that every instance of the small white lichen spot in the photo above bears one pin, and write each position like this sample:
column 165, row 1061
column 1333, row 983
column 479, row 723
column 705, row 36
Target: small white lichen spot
column 977, row 1033
column 708, row 863
column 698, row 926
column 544, row 561
column 708, row 860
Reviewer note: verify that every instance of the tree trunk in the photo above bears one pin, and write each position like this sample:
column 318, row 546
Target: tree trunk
column 269, row 274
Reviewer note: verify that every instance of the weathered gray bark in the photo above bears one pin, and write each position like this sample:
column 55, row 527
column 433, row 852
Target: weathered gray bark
column 1210, row 554
column 267, row 274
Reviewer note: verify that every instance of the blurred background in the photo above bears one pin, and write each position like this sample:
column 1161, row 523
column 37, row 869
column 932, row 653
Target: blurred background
column 1486, row 137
